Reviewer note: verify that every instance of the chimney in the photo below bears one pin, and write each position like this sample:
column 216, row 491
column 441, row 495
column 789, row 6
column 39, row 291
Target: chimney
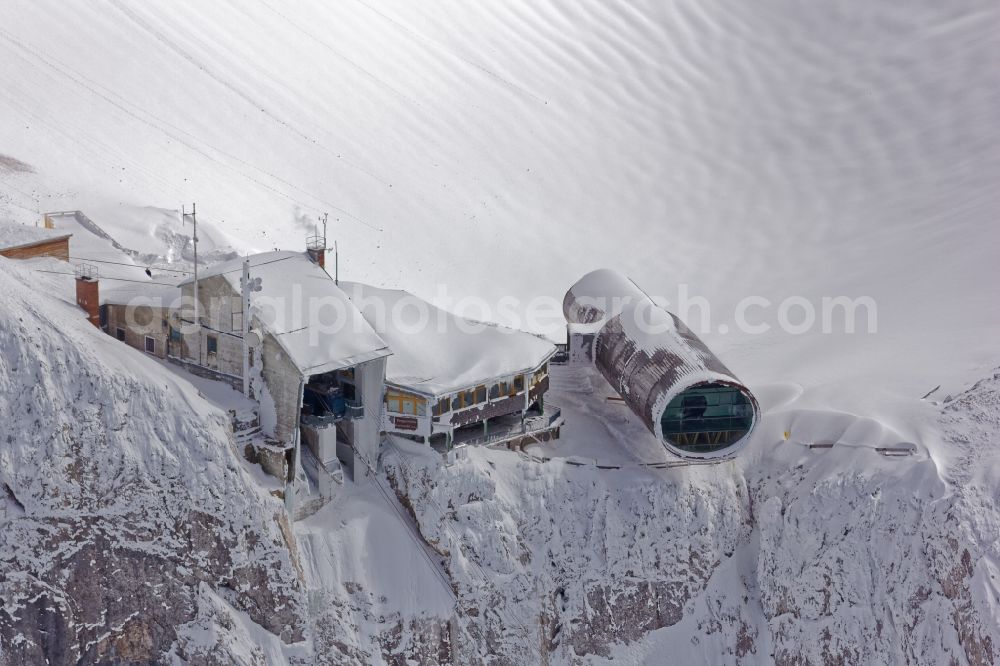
column 87, row 293
column 316, row 249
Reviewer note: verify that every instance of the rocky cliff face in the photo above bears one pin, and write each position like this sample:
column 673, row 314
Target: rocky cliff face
column 554, row 563
column 122, row 503
column 790, row 555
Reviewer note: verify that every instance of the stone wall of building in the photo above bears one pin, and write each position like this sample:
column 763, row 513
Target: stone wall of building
column 284, row 383
column 133, row 324
column 220, row 311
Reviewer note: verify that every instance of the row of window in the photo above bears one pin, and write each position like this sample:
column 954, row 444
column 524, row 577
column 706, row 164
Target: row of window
column 403, row 403
column 211, row 341
column 149, row 343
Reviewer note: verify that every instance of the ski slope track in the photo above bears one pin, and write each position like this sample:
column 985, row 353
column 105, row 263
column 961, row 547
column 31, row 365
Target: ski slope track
column 767, row 150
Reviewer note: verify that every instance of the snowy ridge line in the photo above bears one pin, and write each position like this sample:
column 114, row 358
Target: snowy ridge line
column 903, row 449
column 665, row 464
column 885, row 451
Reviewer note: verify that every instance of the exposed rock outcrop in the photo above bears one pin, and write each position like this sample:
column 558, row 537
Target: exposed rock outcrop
column 123, row 498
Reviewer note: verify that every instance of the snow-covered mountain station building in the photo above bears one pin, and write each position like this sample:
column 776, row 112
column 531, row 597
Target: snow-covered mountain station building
column 322, row 371
column 453, row 381
column 691, row 402
column 326, row 375
column 313, row 364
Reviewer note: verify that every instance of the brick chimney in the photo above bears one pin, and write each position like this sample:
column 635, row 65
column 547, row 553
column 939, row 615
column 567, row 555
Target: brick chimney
column 316, row 249
column 87, row 292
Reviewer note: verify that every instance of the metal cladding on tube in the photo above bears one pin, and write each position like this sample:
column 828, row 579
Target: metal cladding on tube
column 683, row 393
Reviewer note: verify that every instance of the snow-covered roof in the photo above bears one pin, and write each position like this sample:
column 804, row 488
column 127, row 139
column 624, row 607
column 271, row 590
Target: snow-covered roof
column 155, row 294
column 14, row 235
column 306, row 312
column 600, row 295
column 441, row 352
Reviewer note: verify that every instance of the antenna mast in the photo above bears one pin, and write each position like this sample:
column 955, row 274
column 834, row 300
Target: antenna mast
column 245, row 297
column 247, row 287
column 336, row 255
column 197, row 314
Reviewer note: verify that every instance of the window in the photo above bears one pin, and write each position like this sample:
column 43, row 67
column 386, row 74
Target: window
column 494, row 392
column 120, row 334
column 403, row 403
column 150, row 345
column 175, row 335
column 442, row 406
column 469, row 398
column 480, row 394
column 456, row 402
column 213, row 344
column 707, row 417
column 518, row 384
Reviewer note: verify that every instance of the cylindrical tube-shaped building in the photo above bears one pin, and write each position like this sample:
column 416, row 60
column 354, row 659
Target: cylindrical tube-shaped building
column 682, row 392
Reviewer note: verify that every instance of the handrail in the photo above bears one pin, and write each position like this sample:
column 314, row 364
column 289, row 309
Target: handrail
column 354, row 409
column 529, row 426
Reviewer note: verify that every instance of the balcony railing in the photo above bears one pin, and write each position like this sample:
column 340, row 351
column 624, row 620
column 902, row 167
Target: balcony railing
column 354, row 410
column 549, row 419
column 346, row 410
